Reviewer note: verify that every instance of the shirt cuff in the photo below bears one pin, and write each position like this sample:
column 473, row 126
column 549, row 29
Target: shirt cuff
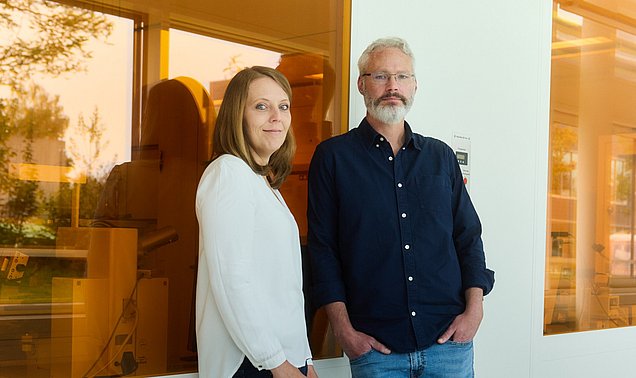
column 272, row 362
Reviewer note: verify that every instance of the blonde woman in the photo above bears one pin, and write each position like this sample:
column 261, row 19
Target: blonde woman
column 250, row 306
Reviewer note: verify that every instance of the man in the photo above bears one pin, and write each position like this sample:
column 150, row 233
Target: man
column 394, row 240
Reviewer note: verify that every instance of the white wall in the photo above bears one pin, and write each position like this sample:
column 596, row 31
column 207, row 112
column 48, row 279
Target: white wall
column 479, row 73
column 483, row 70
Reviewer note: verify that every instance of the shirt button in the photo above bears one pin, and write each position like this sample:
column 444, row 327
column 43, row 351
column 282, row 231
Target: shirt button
column 403, row 215
column 377, row 145
column 412, row 313
column 403, row 148
column 390, row 158
column 399, row 184
column 381, row 139
column 410, row 278
column 406, row 246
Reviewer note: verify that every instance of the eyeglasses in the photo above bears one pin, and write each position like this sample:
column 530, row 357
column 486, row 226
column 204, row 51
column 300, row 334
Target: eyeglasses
column 384, row 77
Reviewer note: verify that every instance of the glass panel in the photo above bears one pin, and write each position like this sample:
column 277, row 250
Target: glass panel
column 311, row 77
column 59, row 140
column 106, row 115
column 590, row 276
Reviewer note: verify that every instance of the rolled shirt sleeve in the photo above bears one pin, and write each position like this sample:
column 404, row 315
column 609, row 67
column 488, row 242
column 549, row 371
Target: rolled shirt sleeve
column 467, row 232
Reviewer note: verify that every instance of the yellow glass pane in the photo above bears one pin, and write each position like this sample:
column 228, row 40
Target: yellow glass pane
column 590, row 258
column 101, row 151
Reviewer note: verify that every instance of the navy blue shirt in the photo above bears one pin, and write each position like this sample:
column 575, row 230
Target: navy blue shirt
column 395, row 237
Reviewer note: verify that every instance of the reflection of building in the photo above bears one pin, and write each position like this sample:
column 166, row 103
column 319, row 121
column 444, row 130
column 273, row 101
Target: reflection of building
column 217, row 90
column 621, row 255
column 45, row 150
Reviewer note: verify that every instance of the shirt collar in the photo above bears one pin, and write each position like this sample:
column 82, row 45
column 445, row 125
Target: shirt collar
column 372, row 137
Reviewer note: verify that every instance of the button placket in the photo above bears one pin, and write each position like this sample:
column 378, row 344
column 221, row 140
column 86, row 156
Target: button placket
column 405, row 228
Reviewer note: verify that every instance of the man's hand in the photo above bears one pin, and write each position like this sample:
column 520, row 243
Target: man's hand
column 354, row 343
column 465, row 326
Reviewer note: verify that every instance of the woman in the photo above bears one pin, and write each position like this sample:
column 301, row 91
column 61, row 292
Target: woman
column 250, row 307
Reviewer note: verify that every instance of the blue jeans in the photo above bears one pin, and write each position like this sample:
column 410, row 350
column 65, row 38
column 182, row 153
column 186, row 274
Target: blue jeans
column 449, row 360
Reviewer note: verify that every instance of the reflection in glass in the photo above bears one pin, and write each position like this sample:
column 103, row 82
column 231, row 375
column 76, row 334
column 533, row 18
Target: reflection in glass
column 105, row 132
column 312, row 79
column 66, row 120
column 590, row 263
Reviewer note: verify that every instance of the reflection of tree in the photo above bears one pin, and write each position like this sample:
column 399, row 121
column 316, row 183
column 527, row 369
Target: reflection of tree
column 57, row 206
column 5, row 152
column 22, row 204
column 563, row 151
column 623, row 181
column 27, row 116
column 84, row 146
column 34, row 115
column 51, row 39
column 43, row 37
column 234, row 66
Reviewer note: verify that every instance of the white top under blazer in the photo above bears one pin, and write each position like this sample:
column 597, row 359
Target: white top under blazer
column 249, row 299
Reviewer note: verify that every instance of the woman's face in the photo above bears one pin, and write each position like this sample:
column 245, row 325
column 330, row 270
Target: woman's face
column 266, row 118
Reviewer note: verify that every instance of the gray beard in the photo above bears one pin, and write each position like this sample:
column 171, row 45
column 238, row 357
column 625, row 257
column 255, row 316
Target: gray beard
column 389, row 114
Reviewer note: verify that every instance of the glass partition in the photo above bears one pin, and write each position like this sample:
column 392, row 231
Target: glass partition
column 106, row 112
column 590, row 277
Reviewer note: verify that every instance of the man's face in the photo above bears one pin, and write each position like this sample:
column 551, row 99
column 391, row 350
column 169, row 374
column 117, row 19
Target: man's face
column 388, row 85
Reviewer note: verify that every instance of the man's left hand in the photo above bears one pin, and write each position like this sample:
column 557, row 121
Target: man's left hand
column 464, row 327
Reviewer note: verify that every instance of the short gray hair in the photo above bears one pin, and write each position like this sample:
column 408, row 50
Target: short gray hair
column 381, row 44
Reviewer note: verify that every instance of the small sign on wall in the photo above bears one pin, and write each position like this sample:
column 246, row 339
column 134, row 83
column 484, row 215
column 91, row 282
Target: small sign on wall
column 461, row 146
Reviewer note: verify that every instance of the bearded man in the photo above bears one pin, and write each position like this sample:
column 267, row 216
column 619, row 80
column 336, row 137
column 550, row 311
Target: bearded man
column 394, row 241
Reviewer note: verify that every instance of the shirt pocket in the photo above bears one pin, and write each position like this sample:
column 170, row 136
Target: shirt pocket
column 433, row 193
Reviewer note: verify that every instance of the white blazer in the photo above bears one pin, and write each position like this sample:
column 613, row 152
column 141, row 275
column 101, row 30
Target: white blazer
column 249, row 299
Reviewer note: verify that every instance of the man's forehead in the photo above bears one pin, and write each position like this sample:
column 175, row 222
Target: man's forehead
column 390, row 57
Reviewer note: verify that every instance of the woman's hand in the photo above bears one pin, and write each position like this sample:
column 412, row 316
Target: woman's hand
column 311, row 373
column 286, row 370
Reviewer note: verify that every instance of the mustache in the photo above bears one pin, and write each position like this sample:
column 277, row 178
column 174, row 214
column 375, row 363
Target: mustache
column 389, row 96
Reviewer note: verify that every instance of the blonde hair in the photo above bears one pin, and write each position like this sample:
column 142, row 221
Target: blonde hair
column 230, row 135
